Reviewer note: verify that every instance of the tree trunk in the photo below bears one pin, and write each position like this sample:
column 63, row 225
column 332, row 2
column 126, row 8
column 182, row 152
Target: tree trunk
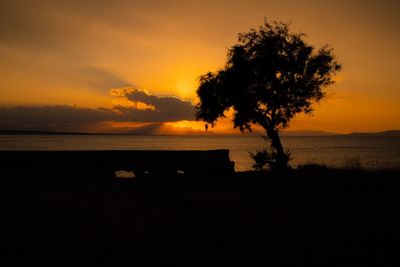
column 281, row 157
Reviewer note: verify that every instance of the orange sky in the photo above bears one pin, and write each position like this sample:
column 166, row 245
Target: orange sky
column 63, row 53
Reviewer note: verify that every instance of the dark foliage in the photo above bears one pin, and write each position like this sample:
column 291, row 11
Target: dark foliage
column 261, row 159
column 270, row 75
column 264, row 158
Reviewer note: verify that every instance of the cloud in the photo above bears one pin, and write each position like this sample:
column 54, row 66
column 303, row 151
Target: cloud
column 160, row 109
column 62, row 117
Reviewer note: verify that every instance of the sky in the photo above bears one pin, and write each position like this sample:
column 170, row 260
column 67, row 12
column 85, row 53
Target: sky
column 134, row 65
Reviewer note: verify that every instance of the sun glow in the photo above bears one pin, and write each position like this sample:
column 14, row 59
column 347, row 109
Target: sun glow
column 185, row 87
column 195, row 125
column 184, row 77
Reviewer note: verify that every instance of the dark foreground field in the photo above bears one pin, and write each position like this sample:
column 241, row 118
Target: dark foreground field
column 313, row 217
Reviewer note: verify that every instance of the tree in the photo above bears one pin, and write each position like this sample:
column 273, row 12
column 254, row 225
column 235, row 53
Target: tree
column 270, row 75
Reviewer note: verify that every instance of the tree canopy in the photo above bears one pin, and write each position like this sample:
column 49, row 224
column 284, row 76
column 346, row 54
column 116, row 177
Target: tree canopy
column 270, row 75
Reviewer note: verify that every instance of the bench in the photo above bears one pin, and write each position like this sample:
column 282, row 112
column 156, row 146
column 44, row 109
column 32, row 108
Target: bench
column 96, row 163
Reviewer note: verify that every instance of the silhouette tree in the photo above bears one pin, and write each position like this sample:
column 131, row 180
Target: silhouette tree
column 270, row 75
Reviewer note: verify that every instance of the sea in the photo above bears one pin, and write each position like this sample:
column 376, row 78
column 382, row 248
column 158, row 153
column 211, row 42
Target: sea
column 347, row 151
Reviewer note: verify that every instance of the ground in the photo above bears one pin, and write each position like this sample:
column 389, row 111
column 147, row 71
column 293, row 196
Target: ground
column 318, row 217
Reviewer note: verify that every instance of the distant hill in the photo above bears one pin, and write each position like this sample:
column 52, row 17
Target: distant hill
column 391, row 133
column 33, row 132
column 163, row 129
column 307, row 133
column 153, row 129
column 159, row 129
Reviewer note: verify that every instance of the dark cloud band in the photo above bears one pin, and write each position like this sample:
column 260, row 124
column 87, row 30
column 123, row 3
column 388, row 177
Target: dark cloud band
column 166, row 109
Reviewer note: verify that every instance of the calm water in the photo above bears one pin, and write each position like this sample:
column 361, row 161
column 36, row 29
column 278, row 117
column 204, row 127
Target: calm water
column 337, row 151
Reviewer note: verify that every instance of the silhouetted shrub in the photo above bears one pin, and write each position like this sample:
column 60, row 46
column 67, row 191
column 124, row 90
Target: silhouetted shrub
column 263, row 158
